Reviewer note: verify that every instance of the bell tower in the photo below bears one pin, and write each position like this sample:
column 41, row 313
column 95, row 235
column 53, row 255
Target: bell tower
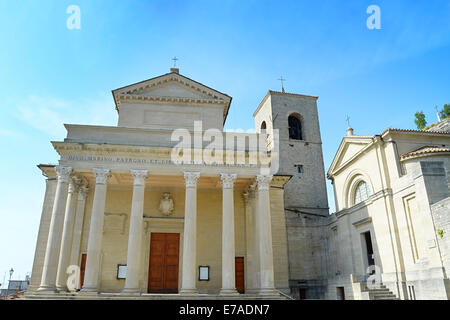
column 296, row 118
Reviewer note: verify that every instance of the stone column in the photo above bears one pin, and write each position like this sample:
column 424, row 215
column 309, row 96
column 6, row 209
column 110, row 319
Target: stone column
column 78, row 227
column 66, row 242
column 249, row 255
column 92, row 271
column 228, row 248
column 256, row 275
column 135, row 233
column 189, row 270
column 48, row 280
column 265, row 235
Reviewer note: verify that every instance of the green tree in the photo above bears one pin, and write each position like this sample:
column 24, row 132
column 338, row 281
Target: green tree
column 420, row 121
column 445, row 113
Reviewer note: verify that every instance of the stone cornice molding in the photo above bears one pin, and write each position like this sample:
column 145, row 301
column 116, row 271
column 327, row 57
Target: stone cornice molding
column 139, row 177
column 136, row 92
column 63, row 173
column 227, row 180
column 167, row 99
column 263, row 181
column 377, row 195
column 280, row 181
column 191, row 178
column 101, row 175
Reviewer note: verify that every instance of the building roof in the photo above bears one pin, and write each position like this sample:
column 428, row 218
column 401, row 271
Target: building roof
column 425, row 151
column 426, row 132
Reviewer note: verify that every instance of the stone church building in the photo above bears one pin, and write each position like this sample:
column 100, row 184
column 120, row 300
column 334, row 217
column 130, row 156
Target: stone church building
column 123, row 217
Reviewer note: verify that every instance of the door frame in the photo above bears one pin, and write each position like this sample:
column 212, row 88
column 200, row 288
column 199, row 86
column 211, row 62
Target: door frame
column 161, row 225
column 179, row 254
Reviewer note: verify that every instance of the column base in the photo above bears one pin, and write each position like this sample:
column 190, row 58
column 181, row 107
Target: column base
column 228, row 292
column 89, row 291
column 46, row 290
column 189, row 291
column 62, row 289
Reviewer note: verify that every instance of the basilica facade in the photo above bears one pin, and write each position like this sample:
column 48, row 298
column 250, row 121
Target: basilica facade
column 167, row 205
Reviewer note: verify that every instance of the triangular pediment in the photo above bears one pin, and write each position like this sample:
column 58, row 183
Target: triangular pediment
column 350, row 147
column 170, row 86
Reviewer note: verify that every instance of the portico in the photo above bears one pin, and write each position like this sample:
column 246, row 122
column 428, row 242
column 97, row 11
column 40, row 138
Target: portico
column 105, row 184
column 136, row 222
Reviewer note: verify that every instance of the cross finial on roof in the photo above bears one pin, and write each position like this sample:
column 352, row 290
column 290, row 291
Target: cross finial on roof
column 349, row 129
column 282, row 84
column 175, row 59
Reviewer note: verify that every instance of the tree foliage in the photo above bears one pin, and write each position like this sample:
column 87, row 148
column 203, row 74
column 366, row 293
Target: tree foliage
column 445, row 113
column 420, row 121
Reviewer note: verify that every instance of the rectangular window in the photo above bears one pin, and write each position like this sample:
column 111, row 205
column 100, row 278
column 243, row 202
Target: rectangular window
column 299, row 168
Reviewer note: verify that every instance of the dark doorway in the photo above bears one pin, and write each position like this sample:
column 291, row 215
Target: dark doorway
column 369, row 249
column 302, row 293
column 340, row 293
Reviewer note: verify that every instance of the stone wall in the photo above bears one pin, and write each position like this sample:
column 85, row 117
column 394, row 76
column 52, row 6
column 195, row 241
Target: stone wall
column 441, row 218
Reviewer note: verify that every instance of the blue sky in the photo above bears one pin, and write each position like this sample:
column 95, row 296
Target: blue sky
column 50, row 75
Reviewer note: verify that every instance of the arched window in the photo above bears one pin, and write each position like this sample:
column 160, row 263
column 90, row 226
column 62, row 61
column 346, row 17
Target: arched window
column 362, row 192
column 295, row 128
column 263, row 126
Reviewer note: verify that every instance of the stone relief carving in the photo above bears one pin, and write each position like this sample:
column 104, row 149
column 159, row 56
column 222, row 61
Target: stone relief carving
column 166, row 205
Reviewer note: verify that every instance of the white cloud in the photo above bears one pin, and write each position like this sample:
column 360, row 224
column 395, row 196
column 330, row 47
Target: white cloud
column 48, row 114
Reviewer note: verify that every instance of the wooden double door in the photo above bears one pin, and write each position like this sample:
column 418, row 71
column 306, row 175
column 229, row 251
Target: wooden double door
column 164, row 262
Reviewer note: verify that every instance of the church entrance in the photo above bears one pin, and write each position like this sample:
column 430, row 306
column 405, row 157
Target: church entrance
column 163, row 266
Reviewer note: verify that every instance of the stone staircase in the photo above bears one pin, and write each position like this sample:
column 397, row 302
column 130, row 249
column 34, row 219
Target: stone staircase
column 380, row 293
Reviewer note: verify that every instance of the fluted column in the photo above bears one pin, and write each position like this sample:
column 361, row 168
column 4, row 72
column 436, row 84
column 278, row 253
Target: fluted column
column 135, row 233
column 189, row 272
column 91, row 276
column 228, row 248
column 78, row 226
column 48, row 280
column 265, row 235
column 66, row 242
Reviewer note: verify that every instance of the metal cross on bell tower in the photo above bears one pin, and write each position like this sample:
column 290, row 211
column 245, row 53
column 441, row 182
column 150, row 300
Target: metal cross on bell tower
column 282, row 83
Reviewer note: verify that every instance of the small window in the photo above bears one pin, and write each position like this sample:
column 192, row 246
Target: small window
column 263, row 127
column 299, row 168
column 362, row 192
column 295, row 128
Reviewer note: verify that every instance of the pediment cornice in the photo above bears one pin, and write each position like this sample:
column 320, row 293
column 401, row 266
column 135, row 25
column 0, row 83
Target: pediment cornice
column 141, row 92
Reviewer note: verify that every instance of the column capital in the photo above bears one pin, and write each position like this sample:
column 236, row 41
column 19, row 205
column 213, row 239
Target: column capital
column 101, row 175
column 191, row 179
column 75, row 183
column 263, row 181
column 228, row 180
column 63, row 173
column 139, row 176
